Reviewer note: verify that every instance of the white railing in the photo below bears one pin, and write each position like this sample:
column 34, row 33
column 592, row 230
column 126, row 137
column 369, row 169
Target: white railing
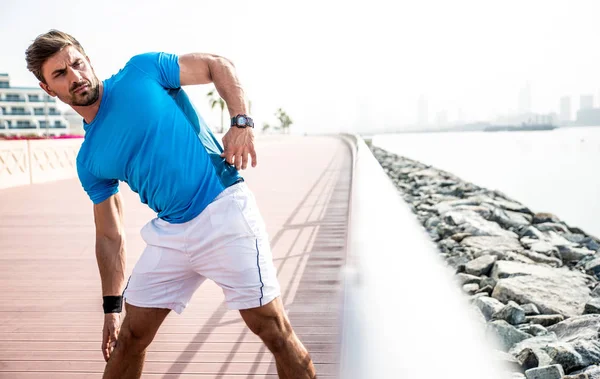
column 403, row 315
column 36, row 161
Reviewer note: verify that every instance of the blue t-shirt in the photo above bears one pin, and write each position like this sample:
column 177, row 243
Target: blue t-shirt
column 148, row 135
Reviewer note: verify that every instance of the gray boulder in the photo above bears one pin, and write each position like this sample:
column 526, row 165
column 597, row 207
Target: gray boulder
column 553, row 291
column 506, row 269
column 481, row 266
column 530, row 309
column 449, row 205
column 527, row 359
column 506, row 360
column 545, row 257
column 487, row 290
column 565, row 355
column 552, row 226
column 485, row 281
column 545, row 320
column 534, row 329
column 509, row 219
column 506, row 205
column 574, row 356
column 432, row 222
column 593, row 266
column 547, row 372
column 447, row 245
column 495, row 243
column 591, row 243
column 573, row 254
column 577, row 328
column 488, row 306
column 576, row 376
column 470, row 288
column 537, row 345
column 575, row 237
column 506, row 334
column 531, row 232
column 467, row 279
column 592, row 372
column 592, row 306
column 540, row 246
column 503, row 255
column 540, row 218
column 473, row 223
column 520, row 217
column 425, row 173
column 558, row 240
column 511, row 313
column 458, row 237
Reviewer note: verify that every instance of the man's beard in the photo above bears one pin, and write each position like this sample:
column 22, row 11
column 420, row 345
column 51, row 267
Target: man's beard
column 88, row 97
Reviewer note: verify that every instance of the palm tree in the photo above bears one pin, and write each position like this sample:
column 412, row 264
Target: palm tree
column 284, row 119
column 214, row 99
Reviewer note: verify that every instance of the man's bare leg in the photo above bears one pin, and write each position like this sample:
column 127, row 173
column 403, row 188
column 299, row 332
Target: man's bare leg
column 137, row 331
column 272, row 325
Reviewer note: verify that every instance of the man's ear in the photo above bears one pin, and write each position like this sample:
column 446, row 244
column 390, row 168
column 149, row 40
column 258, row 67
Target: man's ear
column 45, row 87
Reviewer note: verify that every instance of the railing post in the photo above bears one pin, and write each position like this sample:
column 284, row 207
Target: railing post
column 29, row 162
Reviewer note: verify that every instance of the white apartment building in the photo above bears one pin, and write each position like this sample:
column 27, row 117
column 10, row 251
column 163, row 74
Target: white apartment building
column 29, row 111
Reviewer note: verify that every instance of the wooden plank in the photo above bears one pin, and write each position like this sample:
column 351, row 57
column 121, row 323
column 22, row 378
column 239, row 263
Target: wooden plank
column 157, row 346
column 211, row 337
column 153, row 356
column 155, row 367
column 47, row 251
column 165, row 330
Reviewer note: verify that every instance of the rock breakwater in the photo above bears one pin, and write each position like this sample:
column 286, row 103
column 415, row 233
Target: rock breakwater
column 533, row 278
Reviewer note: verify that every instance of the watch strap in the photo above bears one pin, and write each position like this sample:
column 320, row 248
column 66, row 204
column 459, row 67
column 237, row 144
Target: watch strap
column 249, row 121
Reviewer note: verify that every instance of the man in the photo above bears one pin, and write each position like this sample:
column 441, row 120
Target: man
column 142, row 129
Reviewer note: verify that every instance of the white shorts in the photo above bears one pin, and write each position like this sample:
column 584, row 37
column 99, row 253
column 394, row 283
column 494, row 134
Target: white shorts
column 226, row 243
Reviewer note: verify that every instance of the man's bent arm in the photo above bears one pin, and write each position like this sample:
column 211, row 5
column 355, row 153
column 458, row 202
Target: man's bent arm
column 110, row 245
column 202, row 68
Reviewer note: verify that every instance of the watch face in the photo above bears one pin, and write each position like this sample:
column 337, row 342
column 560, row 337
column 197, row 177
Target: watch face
column 241, row 121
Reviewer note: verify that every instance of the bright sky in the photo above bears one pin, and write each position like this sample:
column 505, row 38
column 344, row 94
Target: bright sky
column 336, row 65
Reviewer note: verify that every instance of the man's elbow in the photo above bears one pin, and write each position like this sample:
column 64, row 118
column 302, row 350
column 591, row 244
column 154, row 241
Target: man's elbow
column 110, row 239
column 227, row 61
column 219, row 62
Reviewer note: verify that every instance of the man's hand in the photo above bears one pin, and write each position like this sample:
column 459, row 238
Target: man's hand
column 238, row 143
column 110, row 332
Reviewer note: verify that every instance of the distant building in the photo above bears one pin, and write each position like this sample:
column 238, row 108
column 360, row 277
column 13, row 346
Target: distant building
column 588, row 117
column 525, row 99
column 527, row 119
column 565, row 109
column 460, row 116
column 441, row 119
column 422, row 112
column 586, row 102
column 75, row 122
column 28, row 110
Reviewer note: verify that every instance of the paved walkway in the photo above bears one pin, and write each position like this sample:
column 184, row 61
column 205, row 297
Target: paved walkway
column 50, row 297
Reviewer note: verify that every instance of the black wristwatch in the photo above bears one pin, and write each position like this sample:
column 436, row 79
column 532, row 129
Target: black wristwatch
column 242, row 121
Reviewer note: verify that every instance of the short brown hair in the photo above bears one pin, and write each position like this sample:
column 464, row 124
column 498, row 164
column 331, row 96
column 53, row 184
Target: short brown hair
column 45, row 46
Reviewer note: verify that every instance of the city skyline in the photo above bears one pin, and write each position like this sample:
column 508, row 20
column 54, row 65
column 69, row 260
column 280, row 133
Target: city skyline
column 462, row 55
column 563, row 113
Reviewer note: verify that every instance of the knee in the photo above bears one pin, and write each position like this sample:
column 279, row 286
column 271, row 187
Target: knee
column 132, row 341
column 275, row 332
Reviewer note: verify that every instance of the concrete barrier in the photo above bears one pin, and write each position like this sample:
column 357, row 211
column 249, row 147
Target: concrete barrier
column 36, row 161
column 403, row 314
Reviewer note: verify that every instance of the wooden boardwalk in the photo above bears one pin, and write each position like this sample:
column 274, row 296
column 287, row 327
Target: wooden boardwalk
column 50, row 297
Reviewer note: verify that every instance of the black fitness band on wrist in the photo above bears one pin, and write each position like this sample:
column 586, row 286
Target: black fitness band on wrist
column 112, row 304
